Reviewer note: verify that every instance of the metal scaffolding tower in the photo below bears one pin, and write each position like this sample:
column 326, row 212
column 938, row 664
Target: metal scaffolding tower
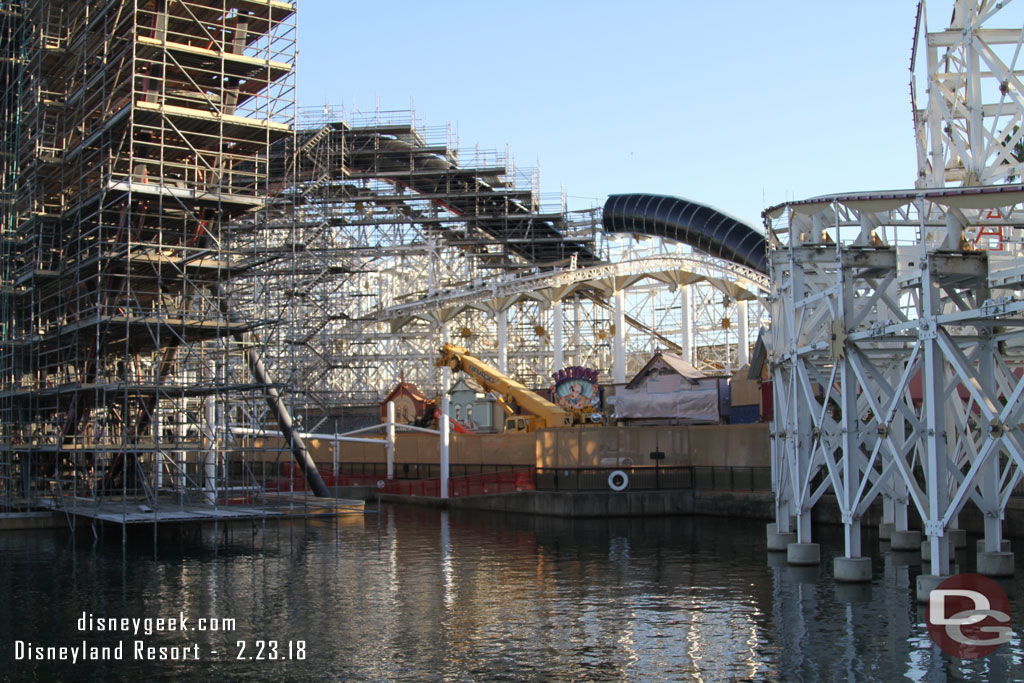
column 137, row 137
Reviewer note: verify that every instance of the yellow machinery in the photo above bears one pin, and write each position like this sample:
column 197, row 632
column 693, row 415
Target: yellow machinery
column 541, row 412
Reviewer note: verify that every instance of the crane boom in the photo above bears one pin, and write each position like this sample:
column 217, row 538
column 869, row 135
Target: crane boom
column 542, row 412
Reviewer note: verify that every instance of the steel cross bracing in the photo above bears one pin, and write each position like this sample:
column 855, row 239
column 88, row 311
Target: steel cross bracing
column 896, row 345
column 896, row 361
column 356, row 353
column 967, row 95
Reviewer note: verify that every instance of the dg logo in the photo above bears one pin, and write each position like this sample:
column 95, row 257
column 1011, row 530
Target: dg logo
column 969, row 616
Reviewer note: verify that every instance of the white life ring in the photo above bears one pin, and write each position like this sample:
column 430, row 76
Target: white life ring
column 618, row 480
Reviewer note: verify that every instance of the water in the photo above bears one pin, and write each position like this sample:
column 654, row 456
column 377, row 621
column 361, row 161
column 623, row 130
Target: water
column 478, row 597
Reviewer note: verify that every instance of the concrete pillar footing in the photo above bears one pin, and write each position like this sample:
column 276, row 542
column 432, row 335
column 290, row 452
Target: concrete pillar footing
column 906, row 540
column 779, row 542
column 957, row 538
column 1004, row 546
column 885, row 531
column 852, row 569
column 926, row 583
column 803, row 554
column 995, row 564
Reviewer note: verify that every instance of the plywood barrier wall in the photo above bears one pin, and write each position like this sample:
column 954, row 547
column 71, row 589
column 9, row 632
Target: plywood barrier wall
column 722, row 445
column 732, row 445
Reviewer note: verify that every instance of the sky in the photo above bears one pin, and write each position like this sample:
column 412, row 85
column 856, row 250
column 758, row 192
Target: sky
column 740, row 105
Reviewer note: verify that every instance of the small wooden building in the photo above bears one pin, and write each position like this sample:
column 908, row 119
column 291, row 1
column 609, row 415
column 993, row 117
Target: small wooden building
column 411, row 405
column 476, row 409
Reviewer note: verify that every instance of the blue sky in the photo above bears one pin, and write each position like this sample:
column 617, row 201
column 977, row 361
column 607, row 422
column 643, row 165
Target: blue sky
column 737, row 104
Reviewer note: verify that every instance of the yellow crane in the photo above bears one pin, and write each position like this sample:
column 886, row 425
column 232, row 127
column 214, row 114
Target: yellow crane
column 542, row 412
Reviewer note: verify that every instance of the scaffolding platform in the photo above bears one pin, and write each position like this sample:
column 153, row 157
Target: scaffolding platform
column 279, row 506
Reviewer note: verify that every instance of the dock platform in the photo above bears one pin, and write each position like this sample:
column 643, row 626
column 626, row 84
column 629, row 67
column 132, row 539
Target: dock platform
column 277, row 506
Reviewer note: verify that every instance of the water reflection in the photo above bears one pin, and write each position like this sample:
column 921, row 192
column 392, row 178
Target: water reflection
column 422, row 594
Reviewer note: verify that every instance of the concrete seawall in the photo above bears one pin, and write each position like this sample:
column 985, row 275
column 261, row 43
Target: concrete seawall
column 610, row 504
column 738, row 504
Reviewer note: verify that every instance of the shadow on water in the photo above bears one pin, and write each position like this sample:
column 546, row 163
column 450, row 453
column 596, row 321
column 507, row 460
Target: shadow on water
column 421, row 594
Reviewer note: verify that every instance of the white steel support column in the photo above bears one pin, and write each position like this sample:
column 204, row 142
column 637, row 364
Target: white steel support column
column 686, row 318
column 934, row 409
column 619, row 341
column 503, row 341
column 784, row 460
column 800, row 444
column 935, row 123
column 558, row 353
column 899, row 492
column 975, row 103
column 849, row 421
column 389, row 446
column 782, row 480
column 851, row 460
column 743, row 347
column 990, row 475
column 445, row 436
column 803, row 447
column 577, row 352
column 446, row 372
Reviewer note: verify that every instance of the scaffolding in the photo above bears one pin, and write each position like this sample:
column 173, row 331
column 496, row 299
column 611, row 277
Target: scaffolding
column 392, row 216
column 188, row 258
column 137, row 137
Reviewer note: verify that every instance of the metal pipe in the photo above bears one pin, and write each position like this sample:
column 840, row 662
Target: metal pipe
column 444, row 447
column 284, row 419
column 556, row 336
column 390, row 441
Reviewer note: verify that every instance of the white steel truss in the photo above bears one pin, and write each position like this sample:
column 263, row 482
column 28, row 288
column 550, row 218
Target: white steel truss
column 968, row 124
column 895, row 363
column 896, row 347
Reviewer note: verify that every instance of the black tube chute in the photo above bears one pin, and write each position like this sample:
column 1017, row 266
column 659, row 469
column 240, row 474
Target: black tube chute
column 698, row 225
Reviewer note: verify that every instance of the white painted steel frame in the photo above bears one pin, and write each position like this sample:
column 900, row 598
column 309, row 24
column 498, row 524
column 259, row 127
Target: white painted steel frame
column 857, row 325
column 897, row 344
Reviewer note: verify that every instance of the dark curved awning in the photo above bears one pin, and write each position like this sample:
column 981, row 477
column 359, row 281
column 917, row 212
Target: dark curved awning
column 698, row 225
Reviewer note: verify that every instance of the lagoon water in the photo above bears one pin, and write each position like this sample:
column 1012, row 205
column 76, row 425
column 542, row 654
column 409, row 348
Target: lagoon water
column 418, row 594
